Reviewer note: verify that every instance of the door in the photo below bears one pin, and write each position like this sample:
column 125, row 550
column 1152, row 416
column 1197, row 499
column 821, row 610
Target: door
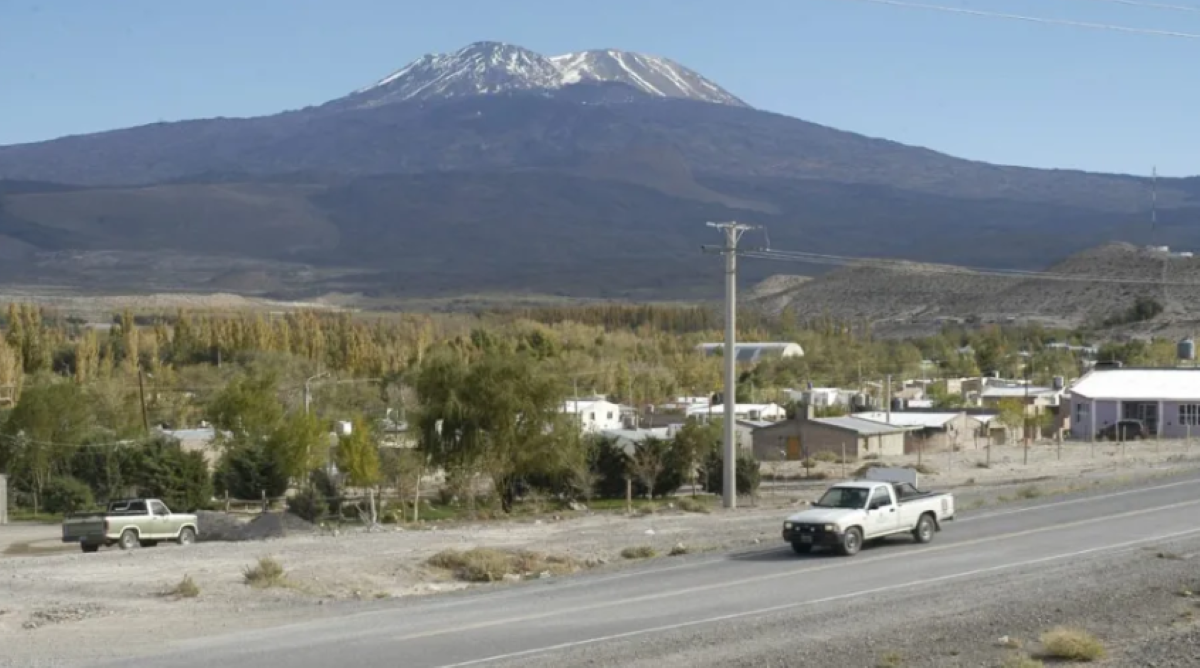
column 882, row 518
column 160, row 524
column 793, row 448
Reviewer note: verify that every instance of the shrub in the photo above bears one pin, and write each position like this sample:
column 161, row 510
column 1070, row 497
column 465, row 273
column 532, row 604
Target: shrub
column 610, row 466
column 1072, row 645
column 638, row 552
column 66, row 495
column 749, row 475
column 690, row 505
column 1029, row 492
column 483, row 564
column 247, row 470
column 826, row 456
column 187, row 588
column 308, row 505
column 164, row 470
column 265, row 574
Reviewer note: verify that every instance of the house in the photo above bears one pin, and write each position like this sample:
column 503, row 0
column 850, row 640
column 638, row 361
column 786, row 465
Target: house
column 1167, row 400
column 768, row 412
column 199, row 440
column 752, row 353
column 627, row 439
column 929, row 431
column 594, row 414
column 1036, row 399
column 806, row 436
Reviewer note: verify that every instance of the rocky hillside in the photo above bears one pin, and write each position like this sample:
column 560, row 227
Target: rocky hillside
column 1088, row 288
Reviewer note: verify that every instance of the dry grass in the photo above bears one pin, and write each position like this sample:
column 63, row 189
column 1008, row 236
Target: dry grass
column 890, row 660
column 483, row 564
column 1029, row 492
column 690, row 505
column 1022, row 661
column 1072, row 645
column 187, row 588
column 639, row 552
column 679, row 550
column 265, row 574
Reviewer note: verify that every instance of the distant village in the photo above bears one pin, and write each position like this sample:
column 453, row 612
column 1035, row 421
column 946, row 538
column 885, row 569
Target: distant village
column 892, row 417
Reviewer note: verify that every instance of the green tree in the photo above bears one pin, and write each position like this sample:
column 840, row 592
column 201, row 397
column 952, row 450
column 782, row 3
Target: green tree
column 358, row 460
column 42, row 431
column 248, row 408
column 299, row 444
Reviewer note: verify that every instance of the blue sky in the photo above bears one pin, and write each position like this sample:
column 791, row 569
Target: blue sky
column 988, row 89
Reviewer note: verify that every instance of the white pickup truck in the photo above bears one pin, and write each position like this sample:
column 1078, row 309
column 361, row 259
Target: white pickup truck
column 886, row 503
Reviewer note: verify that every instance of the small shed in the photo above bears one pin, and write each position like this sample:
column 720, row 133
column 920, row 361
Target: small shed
column 805, row 437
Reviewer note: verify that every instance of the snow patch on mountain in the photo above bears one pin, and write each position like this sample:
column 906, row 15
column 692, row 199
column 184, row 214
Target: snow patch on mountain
column 485, row 68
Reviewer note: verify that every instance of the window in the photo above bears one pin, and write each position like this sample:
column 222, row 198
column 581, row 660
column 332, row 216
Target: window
column 881, row 497
column 610, row 415
column 591, row 417
column 1081, row 412
column 158, row 508
column 1189, row 414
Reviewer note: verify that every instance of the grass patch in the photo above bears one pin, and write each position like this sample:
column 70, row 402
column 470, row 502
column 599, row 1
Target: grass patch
column 484, row 564
column 679, row 550
column 890, row 660
column 1072, row 645
column 638, row 552
column 827, row 457
column 265, row 574
column 187, row 588
column 1022, row 661
column 690, row 505
column 1029, row 492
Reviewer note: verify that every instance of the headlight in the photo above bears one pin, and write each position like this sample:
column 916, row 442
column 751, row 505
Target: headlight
column 830, row 527
column 787, row 525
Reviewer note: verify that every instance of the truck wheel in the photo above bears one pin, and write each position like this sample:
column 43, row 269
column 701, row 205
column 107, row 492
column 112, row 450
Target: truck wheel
column 802, row 548
column 187, row 536
column 129, row 539
column 851, row 541
column 925, row 529
column 89, row 547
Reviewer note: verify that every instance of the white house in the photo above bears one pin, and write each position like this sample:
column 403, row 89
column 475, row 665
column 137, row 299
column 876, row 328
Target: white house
column 757, row 412
column 594, row 415
column 1166, row 400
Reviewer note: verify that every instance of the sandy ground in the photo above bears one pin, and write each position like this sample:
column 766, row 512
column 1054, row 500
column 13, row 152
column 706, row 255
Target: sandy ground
column 116, row 599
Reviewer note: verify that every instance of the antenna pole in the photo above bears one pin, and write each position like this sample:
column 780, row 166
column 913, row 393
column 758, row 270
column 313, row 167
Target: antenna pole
column 733, row 233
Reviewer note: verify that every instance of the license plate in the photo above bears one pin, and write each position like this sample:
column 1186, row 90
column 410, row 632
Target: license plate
column 806, row 539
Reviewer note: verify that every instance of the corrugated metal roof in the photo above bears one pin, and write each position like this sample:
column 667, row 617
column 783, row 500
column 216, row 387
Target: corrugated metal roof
column 910, row 420
column 1014, row 392
column 1140, row 385
column 859, row 425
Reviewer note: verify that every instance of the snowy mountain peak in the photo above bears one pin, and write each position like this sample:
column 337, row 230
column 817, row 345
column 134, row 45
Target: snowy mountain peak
column 486, row 68
column 653, row 75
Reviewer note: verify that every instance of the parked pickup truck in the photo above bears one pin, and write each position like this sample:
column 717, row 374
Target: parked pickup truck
column 886, row 503
column 129, row 523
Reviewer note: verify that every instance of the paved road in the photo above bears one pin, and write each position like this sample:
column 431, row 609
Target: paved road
column 535, row 622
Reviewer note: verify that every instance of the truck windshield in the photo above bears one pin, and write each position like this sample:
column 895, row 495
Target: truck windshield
column 843, row 497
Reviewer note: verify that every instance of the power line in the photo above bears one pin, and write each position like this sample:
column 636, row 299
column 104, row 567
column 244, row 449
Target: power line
column 1152, row 5
column 1031, row 19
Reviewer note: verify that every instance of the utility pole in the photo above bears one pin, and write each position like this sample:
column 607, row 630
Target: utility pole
column 733, row 232
column 142, row 396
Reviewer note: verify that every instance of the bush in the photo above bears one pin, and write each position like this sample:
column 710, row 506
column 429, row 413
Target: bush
column 748, row 477
column 66, row 495
column 827, row 457
column 164, row 470
column 484, row 564
column 187, row 588
column 1072, row 645
column 247, row 470
column 308, row 505
column 611, row 467
column 639, row 552
column 328, row 490
column 266, row 573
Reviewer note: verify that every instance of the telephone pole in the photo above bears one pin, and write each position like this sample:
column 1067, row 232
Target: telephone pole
column 733, row 232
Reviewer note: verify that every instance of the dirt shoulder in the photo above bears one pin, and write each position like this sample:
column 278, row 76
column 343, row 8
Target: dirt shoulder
column 116, row 599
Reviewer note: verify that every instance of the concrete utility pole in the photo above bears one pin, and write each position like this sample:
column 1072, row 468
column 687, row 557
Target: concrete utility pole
column 733, row 233
column 308, row 390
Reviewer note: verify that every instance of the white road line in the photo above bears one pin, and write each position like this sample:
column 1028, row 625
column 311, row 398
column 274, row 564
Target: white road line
column 1126, row 546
